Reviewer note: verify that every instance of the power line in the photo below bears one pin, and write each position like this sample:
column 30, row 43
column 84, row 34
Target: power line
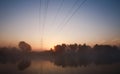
column 58, row 10
column 40, row 26
column 70, row 10
column 39, row 15
column 45, row 14
column 44, row 22
column 72, row 14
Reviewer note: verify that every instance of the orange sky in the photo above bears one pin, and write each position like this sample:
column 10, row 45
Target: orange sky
column 45, row 24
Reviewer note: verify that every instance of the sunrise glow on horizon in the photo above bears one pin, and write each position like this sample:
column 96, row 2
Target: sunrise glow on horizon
column 46, row 23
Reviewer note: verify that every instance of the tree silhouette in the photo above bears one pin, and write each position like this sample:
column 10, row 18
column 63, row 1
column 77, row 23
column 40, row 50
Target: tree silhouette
column 25, row 47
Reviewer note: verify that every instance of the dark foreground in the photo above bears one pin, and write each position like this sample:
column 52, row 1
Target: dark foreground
column 85, row 60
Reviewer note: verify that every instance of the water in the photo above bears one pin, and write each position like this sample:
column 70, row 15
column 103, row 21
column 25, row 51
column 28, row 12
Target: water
column 49, row 66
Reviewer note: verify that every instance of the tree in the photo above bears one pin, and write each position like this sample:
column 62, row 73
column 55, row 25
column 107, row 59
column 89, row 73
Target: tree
column 60, row 48
column 25, row 47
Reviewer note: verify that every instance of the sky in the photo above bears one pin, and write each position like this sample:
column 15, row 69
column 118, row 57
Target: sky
column 46, row 23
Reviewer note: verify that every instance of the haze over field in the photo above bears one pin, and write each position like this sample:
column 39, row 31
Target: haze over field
column 45, row 23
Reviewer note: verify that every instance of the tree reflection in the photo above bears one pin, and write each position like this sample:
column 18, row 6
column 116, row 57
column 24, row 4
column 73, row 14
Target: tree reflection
column 82, row 55
column 24, row 63
column 64, row 55
column 19, row 56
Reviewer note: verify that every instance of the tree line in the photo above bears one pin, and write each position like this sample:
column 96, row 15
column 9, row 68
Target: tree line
column 77, row 54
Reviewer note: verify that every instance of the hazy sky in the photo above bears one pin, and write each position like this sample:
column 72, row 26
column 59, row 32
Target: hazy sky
column 45, row 23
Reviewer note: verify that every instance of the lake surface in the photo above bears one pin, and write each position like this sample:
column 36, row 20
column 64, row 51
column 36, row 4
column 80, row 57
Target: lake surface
column 45, row 66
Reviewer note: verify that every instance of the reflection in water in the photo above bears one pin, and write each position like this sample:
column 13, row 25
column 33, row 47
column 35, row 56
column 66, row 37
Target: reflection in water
column 60, row 65
column 18, row 56
column 46, row 67
column 21, row 63
column 24, row 63
column 72, row 61
column 14, row 57
column 74, row 55
column 101, row 60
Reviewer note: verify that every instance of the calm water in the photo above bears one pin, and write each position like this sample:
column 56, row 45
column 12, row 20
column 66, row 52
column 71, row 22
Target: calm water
column 45, row 66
